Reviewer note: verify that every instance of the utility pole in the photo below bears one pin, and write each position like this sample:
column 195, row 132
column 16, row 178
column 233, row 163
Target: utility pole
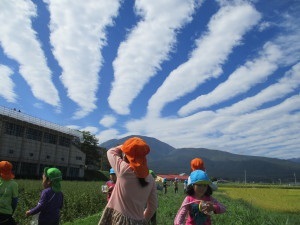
column 295, row 178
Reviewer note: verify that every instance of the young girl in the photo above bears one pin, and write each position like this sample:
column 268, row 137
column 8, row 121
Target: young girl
column 51, row 200
column 198, row 205
column 8, row 194
column 111, row 183
column 135, row 187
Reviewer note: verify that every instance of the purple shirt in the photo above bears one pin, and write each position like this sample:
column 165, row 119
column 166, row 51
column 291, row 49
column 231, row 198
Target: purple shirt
column 49, row 206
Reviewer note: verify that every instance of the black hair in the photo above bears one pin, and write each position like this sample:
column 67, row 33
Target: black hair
column 143, row 182
column 190, row 190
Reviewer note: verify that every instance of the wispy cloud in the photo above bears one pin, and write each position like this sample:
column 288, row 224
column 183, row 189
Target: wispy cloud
column 244, row 134
column 6, row 84
column 107, row 135
column 147, row 46
column 287, row 84
column 108, row 121
column 240, row 81
column 77, row 36
column 20, row 43
column 225, row 31
column 91, row 129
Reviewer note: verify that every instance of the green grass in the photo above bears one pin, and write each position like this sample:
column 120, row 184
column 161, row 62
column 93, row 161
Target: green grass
column 239, row 212
column 84, row 203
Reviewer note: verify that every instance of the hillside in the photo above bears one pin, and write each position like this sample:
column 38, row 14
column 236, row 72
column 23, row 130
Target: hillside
column 165, row 159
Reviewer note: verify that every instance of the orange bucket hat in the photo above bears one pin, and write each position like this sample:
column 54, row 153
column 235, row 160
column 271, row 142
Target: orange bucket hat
column 6, row 170
column 197, row 164
column 136, row 150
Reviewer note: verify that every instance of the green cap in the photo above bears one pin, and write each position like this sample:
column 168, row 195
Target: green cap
column 55, row 176
column 152, row 173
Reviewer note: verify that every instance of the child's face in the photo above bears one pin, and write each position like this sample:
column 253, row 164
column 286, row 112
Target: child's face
column 113, row 177
column 200, row 189
column 46, row 183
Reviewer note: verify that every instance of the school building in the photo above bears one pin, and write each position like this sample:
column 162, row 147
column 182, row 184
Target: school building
column 31, row 144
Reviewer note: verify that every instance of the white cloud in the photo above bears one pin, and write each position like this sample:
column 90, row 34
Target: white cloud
column 19, row 42
column 6, row 84
column 147, row 46
column 91, row 129
column 77, row 36
column 264, row 25
column 107, row 135
column 249, row 133
column 225, row 31
column 287, row 84
column 240, row 81
column 108, row 121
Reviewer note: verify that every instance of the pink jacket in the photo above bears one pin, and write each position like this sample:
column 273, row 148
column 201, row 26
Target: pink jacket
column 128, row 196
column 183, row 215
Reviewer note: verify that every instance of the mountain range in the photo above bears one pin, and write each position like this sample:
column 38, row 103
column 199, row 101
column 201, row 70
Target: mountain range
column 165, row 159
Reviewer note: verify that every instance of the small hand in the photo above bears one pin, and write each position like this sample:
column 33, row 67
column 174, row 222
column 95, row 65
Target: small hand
column 27, row 213
column 207, row 207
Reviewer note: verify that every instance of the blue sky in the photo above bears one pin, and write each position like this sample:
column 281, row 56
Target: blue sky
column 214, row 74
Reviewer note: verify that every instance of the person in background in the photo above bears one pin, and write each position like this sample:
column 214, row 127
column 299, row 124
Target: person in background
column 165, row 186
column 8, row 194
column 185, row 185
column 51, row 200
column 135, row 187
column 153, row 220
column 198, row 205
column 198, row 164
column 175, row 185
column 111, row 183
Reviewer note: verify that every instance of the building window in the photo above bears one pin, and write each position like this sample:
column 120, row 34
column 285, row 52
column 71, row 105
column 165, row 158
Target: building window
column 10, row 151
column 62, row 159
column 74, row 172
column 50, row 138
column 64, row 141
column 48, row 157
column 30, row 154
column 33, row 134
column 14, row 129
column 78, row 158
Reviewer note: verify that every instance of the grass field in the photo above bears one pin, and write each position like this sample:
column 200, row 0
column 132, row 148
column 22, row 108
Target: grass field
column 275, row 199
column 84, row 203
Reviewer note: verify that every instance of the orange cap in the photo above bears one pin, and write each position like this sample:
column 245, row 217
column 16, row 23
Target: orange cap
column 197, row 164
column 136, row 150
column 6, row 170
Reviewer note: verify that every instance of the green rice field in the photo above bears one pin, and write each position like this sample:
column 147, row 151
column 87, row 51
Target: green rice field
column 246, row 205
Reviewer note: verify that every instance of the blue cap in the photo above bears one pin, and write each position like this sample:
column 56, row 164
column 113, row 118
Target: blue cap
column 111, row 171
column 199, row 177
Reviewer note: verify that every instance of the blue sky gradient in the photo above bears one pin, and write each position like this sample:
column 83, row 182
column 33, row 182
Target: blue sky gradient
column 215, row 74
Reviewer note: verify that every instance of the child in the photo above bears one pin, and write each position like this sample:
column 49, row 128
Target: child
column 175, row 185
column 198, row 164
column 165, row 185
column 8, row 194
column 51, row 200
column 198, row 205
column 111, row 183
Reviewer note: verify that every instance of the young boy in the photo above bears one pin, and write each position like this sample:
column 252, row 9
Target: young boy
column 51, row 201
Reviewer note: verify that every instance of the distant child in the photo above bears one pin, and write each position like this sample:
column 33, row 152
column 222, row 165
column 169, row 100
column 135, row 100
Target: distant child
column 185, row 186
column 198, row 164
column 51, row 200
column 153, row 220
column 165, row 186
column 198, row 205
column 111, row 183
column 175, row 185
column 8, row 194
